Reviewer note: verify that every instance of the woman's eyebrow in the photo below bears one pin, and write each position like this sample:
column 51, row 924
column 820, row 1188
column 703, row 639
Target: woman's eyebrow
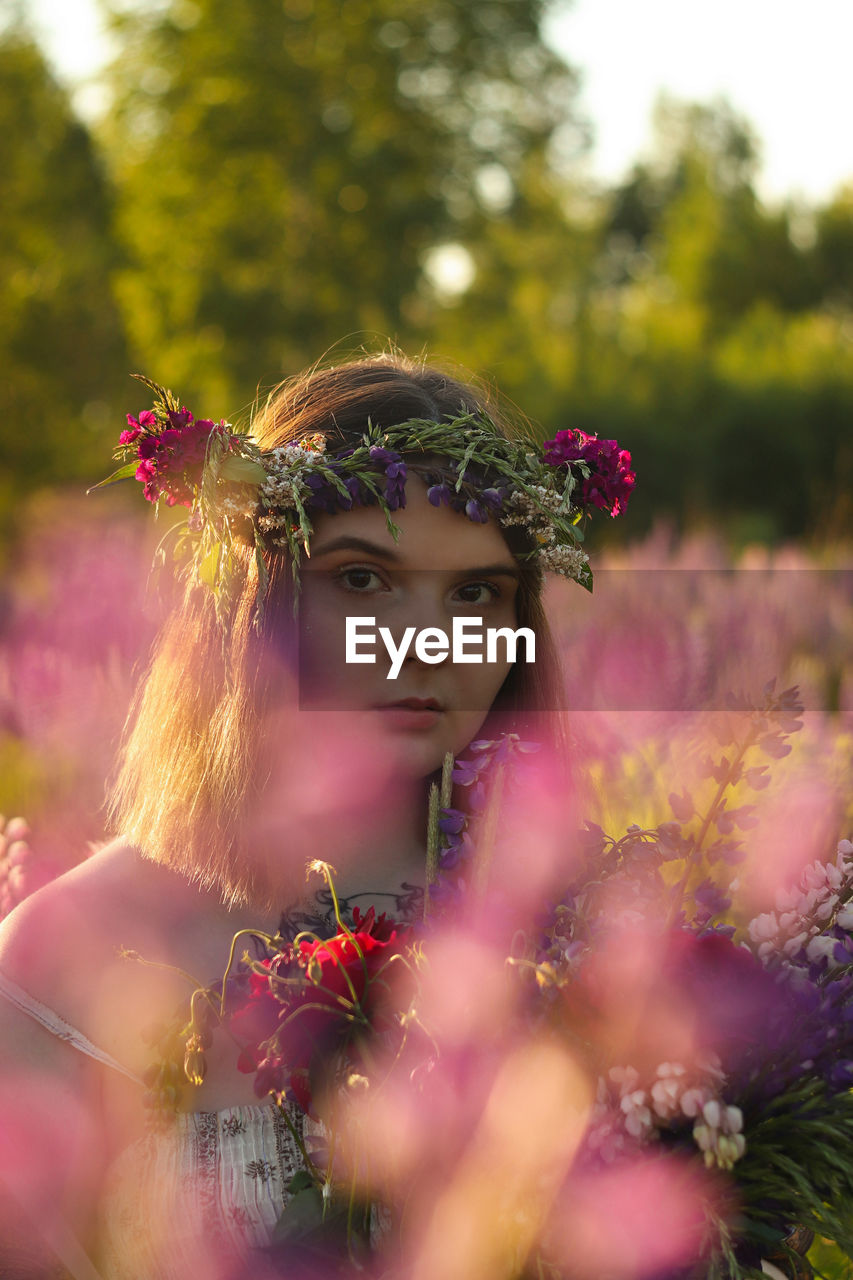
column 347, row 542
column 493, row 570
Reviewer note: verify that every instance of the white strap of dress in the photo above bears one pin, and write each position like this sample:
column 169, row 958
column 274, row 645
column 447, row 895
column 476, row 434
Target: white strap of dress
column 58, row 1027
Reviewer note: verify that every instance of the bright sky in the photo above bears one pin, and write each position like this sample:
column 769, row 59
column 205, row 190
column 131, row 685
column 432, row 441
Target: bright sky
column 784, row 64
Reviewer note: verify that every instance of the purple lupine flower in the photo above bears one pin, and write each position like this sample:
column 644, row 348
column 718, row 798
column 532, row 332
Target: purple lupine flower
column 467, row 772
column 395, row 475
column 710, row 901
column 493, row 498
column 451, row 821
column 449, row 857
column 438, row 494
column 474, row 511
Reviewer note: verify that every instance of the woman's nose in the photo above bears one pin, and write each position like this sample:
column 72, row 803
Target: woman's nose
column 423, row 608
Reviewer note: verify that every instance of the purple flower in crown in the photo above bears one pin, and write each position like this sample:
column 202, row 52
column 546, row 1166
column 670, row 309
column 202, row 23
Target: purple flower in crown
column 439, row 494
column 610, row 480
column 395, row 475
column 492, row 498
column 322, row 496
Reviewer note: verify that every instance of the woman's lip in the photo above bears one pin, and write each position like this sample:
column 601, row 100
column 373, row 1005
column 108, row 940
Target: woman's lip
column 402, row 715
column 413, row 704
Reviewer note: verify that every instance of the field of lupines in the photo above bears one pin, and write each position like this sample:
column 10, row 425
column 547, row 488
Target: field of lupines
column 689, row 748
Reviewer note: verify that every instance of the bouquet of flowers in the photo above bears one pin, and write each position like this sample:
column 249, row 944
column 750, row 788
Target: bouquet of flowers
column 710, row 1051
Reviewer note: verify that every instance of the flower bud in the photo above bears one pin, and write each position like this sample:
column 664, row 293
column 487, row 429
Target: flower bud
column 195, row 1064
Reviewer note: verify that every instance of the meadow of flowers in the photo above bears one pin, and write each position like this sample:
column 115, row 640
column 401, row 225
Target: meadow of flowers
column 572, row 1077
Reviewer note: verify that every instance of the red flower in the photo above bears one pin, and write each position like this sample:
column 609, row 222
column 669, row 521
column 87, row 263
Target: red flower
column 171, row 462
column 317, row 996
column 610, row 479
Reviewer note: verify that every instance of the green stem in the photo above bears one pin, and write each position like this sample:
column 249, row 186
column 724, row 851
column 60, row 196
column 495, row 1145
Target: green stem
column 486, row 844
column 253, row 933
column 125, row 954
column 432, row 845
column 310, row 1167
column 439, row 798
column 681, row 887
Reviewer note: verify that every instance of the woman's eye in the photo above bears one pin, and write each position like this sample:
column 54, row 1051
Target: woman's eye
column 478, row 592
column 360, row 580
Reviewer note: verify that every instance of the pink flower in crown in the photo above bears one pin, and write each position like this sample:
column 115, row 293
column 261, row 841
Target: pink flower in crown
column 136, row 426
column 610, row 480
column 171, row 462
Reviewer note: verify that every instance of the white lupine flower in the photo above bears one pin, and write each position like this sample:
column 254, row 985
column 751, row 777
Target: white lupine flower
column 626, row 1077
column 703, row 1136
column 666, row 1097
column 820, row 948
column 692, row 1102
column 711, row 1113
column 763, row 927
column 733, row 1120
column 814, row 876
column 845, row 916
column 793, row 945
column 719, row 1135
column 786, row 899
column 638, row 1120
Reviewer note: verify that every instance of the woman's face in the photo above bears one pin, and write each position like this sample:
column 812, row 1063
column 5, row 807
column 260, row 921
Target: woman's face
column 443, row 567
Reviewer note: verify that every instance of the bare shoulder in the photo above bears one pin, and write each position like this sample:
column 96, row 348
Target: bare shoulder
column 49, row 946
column 58, row 927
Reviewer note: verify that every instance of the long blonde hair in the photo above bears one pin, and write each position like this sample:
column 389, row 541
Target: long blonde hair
column 192, row 763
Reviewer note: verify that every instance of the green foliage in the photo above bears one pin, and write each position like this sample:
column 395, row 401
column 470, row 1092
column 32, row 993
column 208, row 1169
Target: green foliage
column 283, row 168
column 61, row 344
column 279, row 175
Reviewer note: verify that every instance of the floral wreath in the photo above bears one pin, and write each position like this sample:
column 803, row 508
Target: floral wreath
column 238, row 493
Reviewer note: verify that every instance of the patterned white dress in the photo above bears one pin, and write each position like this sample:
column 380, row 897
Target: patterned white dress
column 198, row 1198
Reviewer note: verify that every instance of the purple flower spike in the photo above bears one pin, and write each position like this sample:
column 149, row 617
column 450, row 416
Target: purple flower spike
column 493, row 498
column 451, row 822
column 475, row 512
column 438, row 494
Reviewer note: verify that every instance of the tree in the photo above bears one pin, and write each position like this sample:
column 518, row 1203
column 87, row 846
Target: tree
column 61, row 343
column 284, row 168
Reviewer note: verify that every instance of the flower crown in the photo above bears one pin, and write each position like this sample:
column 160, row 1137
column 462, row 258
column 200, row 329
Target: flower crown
column 237, row 493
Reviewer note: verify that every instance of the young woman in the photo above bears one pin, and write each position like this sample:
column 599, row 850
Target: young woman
column 254, row 747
